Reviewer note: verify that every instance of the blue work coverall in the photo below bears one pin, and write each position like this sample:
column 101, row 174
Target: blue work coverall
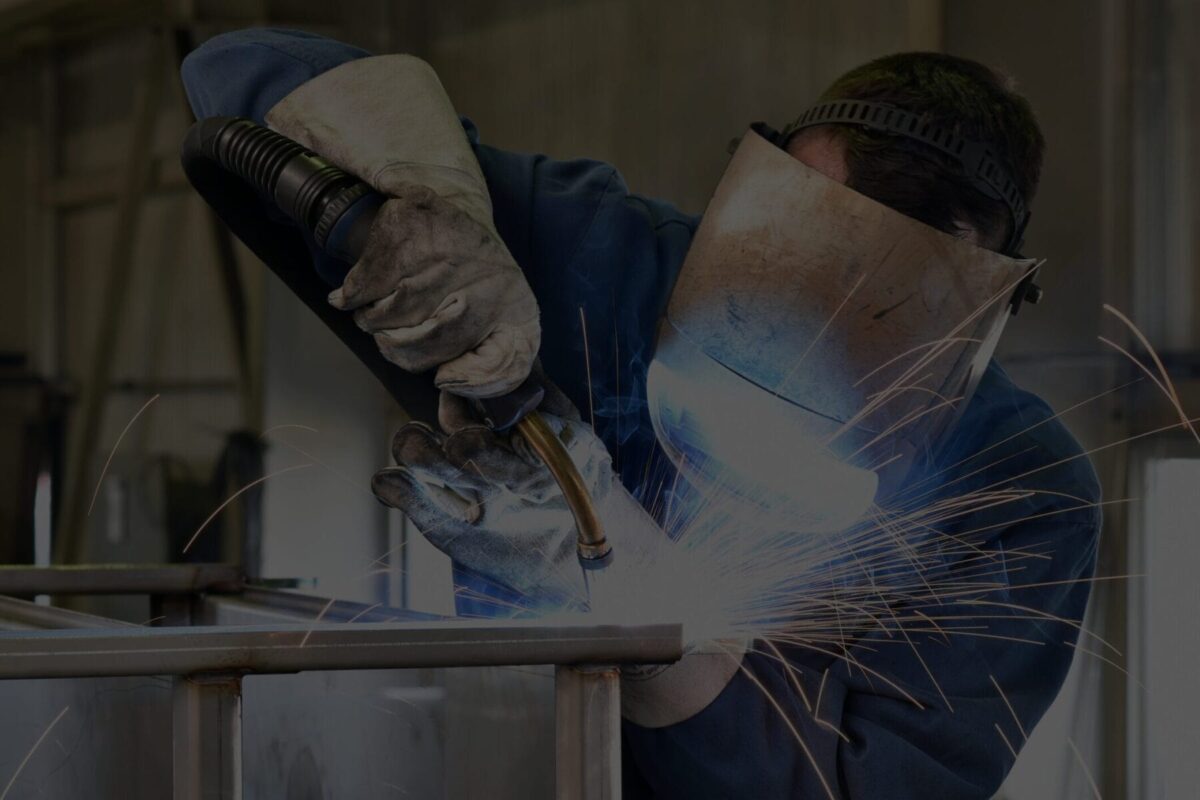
column 586, row 242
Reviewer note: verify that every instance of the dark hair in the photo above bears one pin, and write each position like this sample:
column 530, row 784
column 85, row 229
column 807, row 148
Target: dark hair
column 966, row 97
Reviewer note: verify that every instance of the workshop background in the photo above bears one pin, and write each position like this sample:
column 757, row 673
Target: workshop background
column 119, row 288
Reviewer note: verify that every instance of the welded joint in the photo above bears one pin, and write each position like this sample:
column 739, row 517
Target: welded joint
column 587, row 732
column 207, row 737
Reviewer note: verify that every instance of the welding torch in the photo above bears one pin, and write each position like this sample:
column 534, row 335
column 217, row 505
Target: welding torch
column 235, row 163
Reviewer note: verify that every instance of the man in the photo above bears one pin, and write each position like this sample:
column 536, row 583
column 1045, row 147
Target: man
column 602, row 261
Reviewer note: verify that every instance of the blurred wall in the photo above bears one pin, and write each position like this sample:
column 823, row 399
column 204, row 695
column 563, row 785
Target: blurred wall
column 70, row 123
column 658, row 89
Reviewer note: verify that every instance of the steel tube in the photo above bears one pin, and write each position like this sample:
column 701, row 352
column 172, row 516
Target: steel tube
column 587, row 733
column 294, row 648
column 120, row 579
column 206, row 741
column 270, row 605
column 30, row 615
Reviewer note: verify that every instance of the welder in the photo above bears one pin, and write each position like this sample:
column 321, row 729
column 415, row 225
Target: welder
column 474, row 242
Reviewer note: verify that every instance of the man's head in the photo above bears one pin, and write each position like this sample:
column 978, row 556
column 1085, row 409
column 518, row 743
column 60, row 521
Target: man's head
column 962, row 96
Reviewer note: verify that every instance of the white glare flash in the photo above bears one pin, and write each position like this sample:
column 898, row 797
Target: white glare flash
column 719, row 428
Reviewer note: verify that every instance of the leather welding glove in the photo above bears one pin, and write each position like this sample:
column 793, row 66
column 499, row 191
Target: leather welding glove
column 436, row 286
column 487, row 500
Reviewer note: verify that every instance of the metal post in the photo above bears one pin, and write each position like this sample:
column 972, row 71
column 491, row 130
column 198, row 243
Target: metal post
column 207, row 737
column 587, row 733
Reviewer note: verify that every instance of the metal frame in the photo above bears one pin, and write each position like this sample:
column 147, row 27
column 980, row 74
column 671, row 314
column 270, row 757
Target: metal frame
column 296, row 647
column 120, row 579
column 209, row 661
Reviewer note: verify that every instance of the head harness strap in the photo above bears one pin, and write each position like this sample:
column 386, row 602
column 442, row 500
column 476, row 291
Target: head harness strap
column 978, row 161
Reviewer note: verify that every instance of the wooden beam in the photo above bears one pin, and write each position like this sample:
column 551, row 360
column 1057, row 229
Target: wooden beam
column 926, row 25
column 71, row 531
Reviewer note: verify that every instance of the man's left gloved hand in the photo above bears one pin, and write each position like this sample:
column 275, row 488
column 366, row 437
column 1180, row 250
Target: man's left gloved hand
column 487, row 500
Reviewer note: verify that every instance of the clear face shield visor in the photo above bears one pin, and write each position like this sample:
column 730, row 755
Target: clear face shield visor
column 817, row 343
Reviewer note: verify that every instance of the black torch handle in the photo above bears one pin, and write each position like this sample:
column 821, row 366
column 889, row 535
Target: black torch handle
column 336, row 210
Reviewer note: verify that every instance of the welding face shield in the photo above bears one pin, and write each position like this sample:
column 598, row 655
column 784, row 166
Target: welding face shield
column 818, row 344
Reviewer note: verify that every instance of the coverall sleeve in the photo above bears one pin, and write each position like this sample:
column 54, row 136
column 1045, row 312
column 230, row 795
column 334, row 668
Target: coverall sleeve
column 245, row 73
column 912, row 714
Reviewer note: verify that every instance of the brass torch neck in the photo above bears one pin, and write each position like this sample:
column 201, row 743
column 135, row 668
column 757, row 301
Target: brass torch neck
column 594, row 549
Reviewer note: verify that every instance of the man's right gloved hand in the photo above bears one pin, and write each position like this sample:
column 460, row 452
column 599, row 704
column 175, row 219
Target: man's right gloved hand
column 436, row 286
